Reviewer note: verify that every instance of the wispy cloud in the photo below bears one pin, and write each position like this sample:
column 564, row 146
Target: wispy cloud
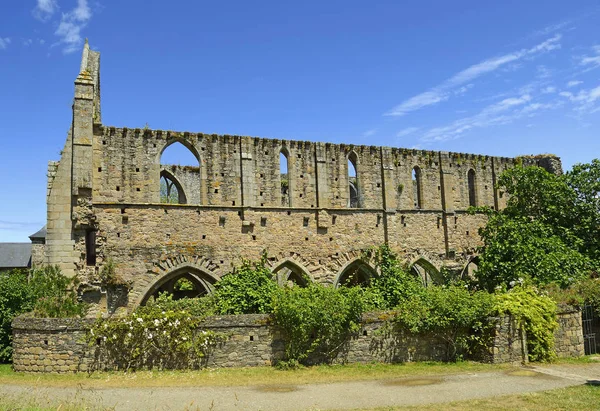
column 592, row 61
column 549, row 90
column 503, row 112
column 4, row 42
column 44, row 9
column 71, row 24
column 584, row 100
column 443, row 91
column 370, row 133
column 574, row 83
column 407, row 131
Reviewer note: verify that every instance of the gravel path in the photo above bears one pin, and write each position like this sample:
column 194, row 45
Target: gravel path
column 343, row 395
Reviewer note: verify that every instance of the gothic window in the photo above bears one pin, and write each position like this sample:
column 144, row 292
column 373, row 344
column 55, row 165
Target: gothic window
column 471, row 182
column 353, row 181
column 285, row 178
column 417, row 187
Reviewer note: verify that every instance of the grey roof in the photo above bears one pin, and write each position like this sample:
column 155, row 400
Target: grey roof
column 15, row 255
column 41, row 234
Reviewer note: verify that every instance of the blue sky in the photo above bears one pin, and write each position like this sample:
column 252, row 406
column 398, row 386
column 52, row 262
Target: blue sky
column 499, row 78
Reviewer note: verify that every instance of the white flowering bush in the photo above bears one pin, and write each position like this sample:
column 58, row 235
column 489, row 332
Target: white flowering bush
column 153, row 337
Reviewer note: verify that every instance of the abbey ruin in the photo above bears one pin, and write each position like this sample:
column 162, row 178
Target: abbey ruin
column 105, row 205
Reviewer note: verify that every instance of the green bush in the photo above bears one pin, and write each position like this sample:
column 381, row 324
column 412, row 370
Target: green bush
column 536, row 313
column 46, row 293
column 582, row 292
column 249, row 289
column 55, row 295
column 453, row 313
column 317, row 320
column 394, row 285
column 159, row 335
column 15, row 298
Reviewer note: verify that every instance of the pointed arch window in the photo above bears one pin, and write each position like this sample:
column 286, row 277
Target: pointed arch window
column 472, row 193
column 180, row 179
column 284, row 177
column 171, row 191
column 417, row 187
column 353, row 188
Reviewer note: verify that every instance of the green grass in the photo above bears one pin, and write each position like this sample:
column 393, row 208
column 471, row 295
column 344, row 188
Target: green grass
column 580, row 398
column 244, row 376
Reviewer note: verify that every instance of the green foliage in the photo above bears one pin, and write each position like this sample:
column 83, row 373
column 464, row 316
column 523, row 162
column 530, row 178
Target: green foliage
column 153, row 336
column 317, row 320
column 183, row 284
column 518, row 247
column 454, row 313
column 584, row 180
column 46, row 293
column 586, row 291
column 109, row 276
column 249, row 289
column 15, row 298
column 536, row 313
column 544, row 232
column 395, row 283
column 55, row 295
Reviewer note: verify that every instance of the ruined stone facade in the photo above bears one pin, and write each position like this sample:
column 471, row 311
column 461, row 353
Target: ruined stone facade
column 104, row 204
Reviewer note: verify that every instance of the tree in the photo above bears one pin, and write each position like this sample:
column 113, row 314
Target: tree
column 548, row 230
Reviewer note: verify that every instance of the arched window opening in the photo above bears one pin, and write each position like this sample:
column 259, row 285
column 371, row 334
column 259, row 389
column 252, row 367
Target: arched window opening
column 183, row 284
column 427, row 273
column 285, row 178
column 357, row 274
column 180, row 174
column 353, row 181
column 289, row 274
column 171, row 191
column 472, row 194
column 417, row 188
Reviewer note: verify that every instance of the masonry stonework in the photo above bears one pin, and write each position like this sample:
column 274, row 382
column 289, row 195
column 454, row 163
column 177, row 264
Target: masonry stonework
column 104, row 204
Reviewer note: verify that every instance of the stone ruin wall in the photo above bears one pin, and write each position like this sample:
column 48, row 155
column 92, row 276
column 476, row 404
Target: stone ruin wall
column 107, row 182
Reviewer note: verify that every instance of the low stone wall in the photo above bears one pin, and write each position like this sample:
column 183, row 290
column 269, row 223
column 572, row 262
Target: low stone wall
column 58, row 345
column 568, row 338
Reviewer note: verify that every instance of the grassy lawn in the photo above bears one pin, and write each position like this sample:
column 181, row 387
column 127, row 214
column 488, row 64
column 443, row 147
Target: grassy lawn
column 244, row 376
column 580, row 398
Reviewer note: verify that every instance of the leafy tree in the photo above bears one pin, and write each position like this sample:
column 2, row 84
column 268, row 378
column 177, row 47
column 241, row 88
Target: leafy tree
column 545, row 231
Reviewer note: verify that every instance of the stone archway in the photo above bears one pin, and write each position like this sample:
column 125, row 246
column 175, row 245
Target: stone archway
column 197, row 284
column 355, row 273
column 289, row 270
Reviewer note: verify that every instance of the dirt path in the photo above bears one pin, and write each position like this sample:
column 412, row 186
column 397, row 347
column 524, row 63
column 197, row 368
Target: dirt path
column 343, row 395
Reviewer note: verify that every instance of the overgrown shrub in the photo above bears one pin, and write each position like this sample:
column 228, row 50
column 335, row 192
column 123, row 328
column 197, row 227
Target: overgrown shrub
column 43, row 292
column 158, row 335
column 15, row 298
column 249, row 289
column 55, row 295
column 453, row 313
column 536, row 313
column 394, row 285
column 586, row 291
column 317, row 320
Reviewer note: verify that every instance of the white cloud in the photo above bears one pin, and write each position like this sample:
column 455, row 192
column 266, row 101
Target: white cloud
column 549, row 90
column 585, row 100
column 443, row 91
column 370, row 133
column 27, row 42
column 407, row 131
column 44, row 9
column 71, row 24
column 592, row 61
column 4, row 42
column 574, row 83
column 503, row 112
